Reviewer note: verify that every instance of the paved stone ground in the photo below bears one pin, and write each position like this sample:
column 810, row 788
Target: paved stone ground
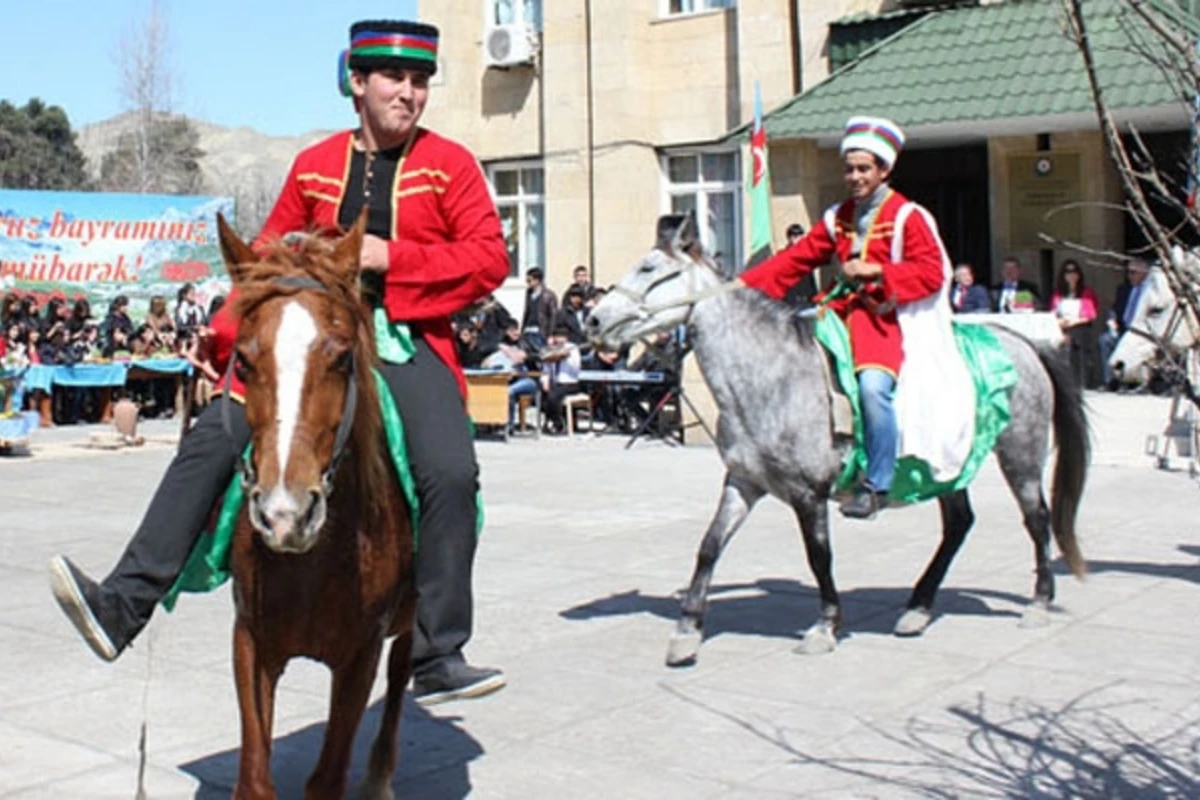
column 585, row 548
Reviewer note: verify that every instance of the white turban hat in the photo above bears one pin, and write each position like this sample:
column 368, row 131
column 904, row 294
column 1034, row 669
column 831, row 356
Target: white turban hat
column 875, row 135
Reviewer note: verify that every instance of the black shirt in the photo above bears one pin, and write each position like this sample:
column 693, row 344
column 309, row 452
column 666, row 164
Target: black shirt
column 373, row 188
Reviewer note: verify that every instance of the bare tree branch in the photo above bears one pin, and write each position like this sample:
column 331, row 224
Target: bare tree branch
column 1137, row 171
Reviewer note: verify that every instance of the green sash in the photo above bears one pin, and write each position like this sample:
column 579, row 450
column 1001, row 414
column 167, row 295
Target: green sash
column 993, row 374
column 208, row 565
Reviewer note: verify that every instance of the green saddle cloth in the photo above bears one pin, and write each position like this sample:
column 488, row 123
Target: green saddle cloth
column 993, row 374
column 208, row 565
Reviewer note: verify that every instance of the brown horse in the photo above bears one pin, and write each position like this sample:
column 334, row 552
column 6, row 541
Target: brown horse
column 322, row 558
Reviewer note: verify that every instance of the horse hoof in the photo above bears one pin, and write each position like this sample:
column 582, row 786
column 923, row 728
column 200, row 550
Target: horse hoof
column 818, row 640
column 913, row 622
column 683, row 648
column 1036, row 616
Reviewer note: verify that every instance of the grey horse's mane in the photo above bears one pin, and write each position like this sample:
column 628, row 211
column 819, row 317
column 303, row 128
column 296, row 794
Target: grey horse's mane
column 677, row 238
column 781, row 314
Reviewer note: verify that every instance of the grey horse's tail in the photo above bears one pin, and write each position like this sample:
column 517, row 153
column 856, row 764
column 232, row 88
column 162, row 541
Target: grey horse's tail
column 1074, row 454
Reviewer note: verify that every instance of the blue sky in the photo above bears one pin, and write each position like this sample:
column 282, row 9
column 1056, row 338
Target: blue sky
column 266, row 64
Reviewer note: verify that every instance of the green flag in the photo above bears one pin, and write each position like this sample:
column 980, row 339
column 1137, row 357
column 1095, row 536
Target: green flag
column 760, row 187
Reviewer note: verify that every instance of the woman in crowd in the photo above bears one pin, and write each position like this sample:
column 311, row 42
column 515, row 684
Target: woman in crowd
column 10, row 311
column 117, row 329
column 1076, row 307
column 189, row 316
column 81, row 316
column 161, row 326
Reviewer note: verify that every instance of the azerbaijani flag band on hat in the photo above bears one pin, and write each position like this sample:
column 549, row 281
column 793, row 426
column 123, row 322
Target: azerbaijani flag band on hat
column 388, row 44
column 876, row 135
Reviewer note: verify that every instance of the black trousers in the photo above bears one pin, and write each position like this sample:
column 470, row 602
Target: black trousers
column 556, row 412
column 447, row 477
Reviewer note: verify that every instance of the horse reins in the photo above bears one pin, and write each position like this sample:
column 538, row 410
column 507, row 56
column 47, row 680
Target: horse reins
column 643, row 310
column 245, row 468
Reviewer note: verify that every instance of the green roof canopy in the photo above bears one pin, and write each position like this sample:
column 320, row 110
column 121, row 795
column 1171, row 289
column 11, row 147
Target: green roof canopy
column 972, row 67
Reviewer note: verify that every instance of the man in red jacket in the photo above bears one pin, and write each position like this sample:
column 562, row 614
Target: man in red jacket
column 889, row 247
column 433, row 247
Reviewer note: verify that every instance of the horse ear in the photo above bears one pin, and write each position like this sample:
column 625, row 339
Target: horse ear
column 348, row 249
column 688, row 236
column 235, row 252
column 677, row 233
column 665, row 232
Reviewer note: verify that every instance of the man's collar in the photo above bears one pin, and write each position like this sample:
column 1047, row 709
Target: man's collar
column 874, row 198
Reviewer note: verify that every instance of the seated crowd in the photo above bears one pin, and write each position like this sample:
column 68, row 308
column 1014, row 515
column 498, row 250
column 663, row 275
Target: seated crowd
column 547, row 351
column 66, row 333
column 1090, row 331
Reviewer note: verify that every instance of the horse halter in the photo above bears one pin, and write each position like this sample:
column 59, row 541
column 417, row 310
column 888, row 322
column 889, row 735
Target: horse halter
column 245, row 468
column 643, row 310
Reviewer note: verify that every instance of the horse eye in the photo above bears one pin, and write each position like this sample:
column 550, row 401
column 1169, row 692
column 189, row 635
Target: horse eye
column 646, row 269
column 342, row 363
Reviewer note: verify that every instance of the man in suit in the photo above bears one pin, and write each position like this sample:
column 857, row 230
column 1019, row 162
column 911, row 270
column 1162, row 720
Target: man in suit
column 1013, row 295
column 1124, row 309
column 967, row 297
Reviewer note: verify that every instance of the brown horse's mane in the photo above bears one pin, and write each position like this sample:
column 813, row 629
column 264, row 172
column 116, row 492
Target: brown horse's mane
column 314, row 258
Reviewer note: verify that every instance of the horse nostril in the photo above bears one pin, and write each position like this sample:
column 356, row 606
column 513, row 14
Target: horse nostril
column 314, row 515
column 255, row 507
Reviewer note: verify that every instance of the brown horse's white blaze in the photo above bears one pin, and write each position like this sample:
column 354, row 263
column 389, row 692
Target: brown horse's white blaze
column 290, row 513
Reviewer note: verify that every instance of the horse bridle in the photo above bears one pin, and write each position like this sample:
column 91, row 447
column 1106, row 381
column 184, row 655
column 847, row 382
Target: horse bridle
column 245, row 468
column 643, row 310
column 1173, row 323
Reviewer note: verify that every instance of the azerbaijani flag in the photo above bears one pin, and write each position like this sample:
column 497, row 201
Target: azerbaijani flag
column 760, row 187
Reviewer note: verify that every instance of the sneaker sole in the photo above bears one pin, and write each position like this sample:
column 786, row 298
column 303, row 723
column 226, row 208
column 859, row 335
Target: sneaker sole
column 71, row 601
column 483, row 687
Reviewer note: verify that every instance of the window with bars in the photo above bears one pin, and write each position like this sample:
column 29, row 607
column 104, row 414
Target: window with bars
column 709, row 184
column 519, row 191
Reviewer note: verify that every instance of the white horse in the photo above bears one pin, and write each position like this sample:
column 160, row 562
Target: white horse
column 1161, row 328
column 1164, row 337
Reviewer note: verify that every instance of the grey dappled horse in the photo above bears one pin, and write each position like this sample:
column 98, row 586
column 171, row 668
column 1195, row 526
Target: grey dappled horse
column 767, row 374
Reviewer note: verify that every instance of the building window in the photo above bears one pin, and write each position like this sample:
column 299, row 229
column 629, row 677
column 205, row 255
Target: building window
column 709, row 184
column 509, row 12
column 672, row 7
column 520, row 199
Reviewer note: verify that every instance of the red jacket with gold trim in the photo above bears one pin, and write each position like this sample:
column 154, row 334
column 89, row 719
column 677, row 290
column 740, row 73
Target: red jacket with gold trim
column 916, row 274
column 224, row 327
column 447, row 250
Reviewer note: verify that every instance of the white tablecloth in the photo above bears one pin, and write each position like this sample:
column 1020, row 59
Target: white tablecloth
column 1039, row 326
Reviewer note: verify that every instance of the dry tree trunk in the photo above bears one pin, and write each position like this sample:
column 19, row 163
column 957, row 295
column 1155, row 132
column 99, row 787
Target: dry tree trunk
column 1136, row 171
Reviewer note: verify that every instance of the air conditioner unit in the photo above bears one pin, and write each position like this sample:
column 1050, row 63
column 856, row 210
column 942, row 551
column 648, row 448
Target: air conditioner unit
column 509, row 45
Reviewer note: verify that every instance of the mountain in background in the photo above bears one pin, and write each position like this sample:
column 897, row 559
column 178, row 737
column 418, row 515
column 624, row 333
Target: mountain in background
column 241, row 163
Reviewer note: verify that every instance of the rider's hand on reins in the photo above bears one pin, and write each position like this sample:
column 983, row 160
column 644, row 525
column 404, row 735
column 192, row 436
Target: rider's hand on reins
column 856, row 268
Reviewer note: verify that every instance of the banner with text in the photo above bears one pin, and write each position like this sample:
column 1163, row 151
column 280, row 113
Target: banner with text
column 100, row 245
